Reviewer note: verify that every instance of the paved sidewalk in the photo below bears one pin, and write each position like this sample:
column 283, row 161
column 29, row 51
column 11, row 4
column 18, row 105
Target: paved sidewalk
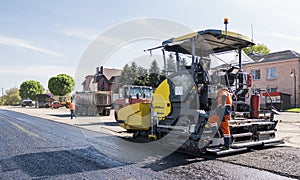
column 288, row 127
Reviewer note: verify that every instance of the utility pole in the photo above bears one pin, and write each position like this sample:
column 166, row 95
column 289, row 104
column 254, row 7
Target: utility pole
column 2, row 97
column 293, row 74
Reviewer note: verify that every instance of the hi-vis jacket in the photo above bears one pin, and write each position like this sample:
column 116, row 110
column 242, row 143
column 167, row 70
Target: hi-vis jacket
column 72, row 106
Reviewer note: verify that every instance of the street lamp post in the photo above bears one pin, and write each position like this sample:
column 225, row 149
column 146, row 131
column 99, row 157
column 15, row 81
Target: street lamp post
column 293, row 74
column 2, row 97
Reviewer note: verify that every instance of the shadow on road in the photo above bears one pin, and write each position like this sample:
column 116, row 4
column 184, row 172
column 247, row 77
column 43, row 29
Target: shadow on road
column 100, row 123
column 59, row 115
column 179, row 159
column 59, row 162
column 176, row 159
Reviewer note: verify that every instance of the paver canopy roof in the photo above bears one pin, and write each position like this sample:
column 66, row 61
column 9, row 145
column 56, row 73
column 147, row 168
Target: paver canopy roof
column 207, row 42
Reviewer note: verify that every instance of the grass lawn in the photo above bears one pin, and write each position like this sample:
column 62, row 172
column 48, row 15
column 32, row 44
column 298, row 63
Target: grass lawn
column 297, row 110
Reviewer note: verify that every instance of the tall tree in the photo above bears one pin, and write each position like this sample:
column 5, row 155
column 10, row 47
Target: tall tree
column 142, row 78
column 128, row 75
column 12, row 96
column 124, row 75
column 182, row 63
column 154, row 77
column 133, row 70
column 30, row 88
column 171, row 66
column 154, row 68
column 61, row 84
column 259, row 48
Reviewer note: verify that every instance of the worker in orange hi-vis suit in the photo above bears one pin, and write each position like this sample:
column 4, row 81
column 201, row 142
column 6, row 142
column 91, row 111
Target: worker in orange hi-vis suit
column 225, row 100
column 72, row 109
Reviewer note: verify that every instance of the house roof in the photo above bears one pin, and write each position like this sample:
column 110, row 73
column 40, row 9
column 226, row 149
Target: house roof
column 48, row 95
column 111, row 72
column 276, row 56
column 255, row 56
column 86, row 78
column 89, row 76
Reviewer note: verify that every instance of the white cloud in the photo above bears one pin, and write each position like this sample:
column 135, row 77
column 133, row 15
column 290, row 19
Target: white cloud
column 38, row 70
column 9, row 41
column 15, row 75
column 284, row 36
column 82, row 33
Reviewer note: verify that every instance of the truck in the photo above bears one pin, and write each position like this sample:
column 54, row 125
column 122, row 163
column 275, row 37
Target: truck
column 93, row 103
column 131, row 94
column 44, row 100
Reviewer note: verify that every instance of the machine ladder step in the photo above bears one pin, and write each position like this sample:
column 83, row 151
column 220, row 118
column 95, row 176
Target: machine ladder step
column 238, row 147
column 266, row 132
column 219, row 152
column 250, row 124
column 239, row 121
column 241, row 135
column 257, row 143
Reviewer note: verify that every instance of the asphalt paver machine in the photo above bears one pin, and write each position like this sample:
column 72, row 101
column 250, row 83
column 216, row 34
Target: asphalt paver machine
column 185, row 103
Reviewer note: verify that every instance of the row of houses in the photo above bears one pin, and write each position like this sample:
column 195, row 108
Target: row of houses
column 277, row 73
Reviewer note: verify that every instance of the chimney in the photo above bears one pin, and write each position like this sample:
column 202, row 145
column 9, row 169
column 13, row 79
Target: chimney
column 97, row 70
column 101, row 69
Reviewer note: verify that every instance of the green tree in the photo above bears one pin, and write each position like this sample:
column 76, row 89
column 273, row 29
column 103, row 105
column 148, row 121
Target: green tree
column 123, row 77
column 154, row 77
column 133, row 75
column 182, row 63
column 128, row 75
column 154, row 68
column 30, row 88
column 12, row 96
column 142, row 78
column 171, row 66
column 2, row 100
column 61, row 85
column 133, row 70
column 259, row 48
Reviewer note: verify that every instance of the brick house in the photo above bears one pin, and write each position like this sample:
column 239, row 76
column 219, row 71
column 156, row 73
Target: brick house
column 105, row 79
column 275, row 72
column 88, row 82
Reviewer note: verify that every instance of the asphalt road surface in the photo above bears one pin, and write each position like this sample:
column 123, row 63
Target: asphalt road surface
column 37, row 148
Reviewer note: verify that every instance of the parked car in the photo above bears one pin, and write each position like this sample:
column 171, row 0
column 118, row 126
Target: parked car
column 56, row 105
column 26, row 102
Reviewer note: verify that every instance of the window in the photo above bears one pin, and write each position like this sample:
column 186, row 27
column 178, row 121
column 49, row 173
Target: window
column 255, row 74
column 102, row 86
column 272, row 89
column 275, row 99
column 271, row 73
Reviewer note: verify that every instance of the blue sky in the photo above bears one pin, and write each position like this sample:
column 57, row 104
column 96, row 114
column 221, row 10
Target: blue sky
column 40, row 39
